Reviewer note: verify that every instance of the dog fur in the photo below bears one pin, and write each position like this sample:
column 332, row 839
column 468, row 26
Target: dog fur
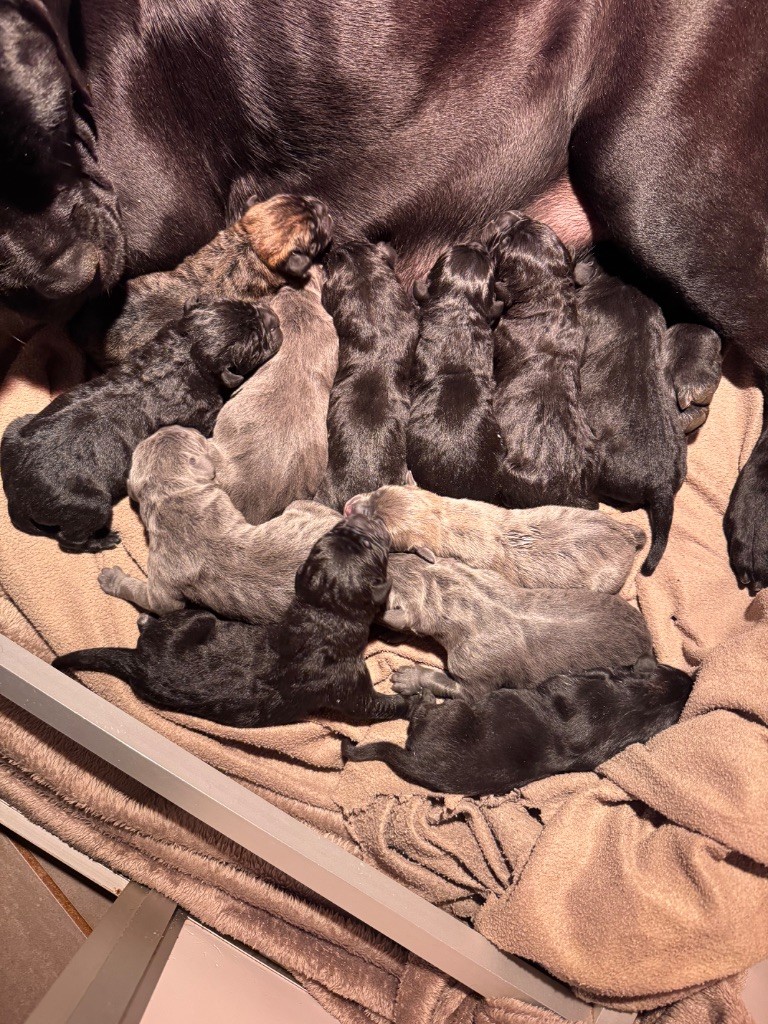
column 546, row 547
column 508, row 738
column 538, row 348
column 453, row 442
column 635, row 371
column 269, row 445
column 272, row 243
column 65, row 467
column 368, row 414
column 201, row 549
column 498, row 636
column 310, row 662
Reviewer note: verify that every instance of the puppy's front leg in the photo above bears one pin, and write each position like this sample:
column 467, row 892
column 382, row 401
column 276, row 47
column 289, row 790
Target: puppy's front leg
column 366, row 705
column 116, row 583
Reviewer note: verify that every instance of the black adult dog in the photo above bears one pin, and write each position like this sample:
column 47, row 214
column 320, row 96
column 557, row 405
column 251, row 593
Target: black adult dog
column 377, row 325
column 65, row 467
column 199, row 106
column 569, row 723
column 453, row 444
column 242, row 675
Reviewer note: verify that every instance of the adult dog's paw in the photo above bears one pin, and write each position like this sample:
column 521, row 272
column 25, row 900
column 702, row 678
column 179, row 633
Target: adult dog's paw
column 110, row 580
column 289, row 233
column 746, row 525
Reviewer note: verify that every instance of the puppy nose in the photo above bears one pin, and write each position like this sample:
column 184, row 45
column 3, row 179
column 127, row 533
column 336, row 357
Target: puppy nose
column 357, row 506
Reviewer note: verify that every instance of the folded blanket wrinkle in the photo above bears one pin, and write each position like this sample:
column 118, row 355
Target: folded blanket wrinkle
column 643, row 885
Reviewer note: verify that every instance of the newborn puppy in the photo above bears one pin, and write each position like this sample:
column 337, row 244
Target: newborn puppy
column 550, row 546
column 635, row 371
column 201, row 549
column 64, row 468
column 499, row 636
column 539, row 343
column 311, row 662
column 270, row 445
column 453, row 441
column 368, row 414
column 273, row 242
column 508, row 738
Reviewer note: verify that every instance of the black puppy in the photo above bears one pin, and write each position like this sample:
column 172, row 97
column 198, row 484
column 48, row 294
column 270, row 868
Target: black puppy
column 378, row 328
column 638, row 379
column 246, row 676
column 508, row 738
column 539, row 345
column 64, row 468
column 453, row 443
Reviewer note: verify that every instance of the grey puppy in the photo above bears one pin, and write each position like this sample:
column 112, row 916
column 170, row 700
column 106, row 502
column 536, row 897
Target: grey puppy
column 552, row 546
column 500, row 636
column 201, row 549
column 270, row 444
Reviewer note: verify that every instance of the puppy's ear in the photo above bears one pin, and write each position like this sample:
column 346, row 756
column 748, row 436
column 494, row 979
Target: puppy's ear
column 198, row 629
column 421, row 289
column 497, row 308
column 645, row 666
column 424, row 552
column 410, row 479
column 388, row 252
column 380, row 591
column 231, row 380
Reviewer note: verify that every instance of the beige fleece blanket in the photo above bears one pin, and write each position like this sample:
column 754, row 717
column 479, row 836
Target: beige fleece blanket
column 640, row 884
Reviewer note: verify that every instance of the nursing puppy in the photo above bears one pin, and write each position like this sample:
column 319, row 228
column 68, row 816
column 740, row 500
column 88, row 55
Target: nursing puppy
column 539, row 344
column 311, row 662
column 270, row 445
column 506, row 739
column 499, row 636
column 65, row 467
column 201, row 549
column 273, row 242
column 453, row 441
column 378, row 328
column 550, row 546
column 634, row 374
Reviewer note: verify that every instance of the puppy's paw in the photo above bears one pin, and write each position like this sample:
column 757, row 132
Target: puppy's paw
column 693, row 417
column 746, row 526
column 407, row 681
column 396, row 618
column 92, row 545
column 110, row 580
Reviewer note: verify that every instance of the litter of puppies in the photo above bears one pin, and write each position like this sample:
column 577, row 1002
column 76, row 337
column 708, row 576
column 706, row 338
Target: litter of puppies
column 466, row 432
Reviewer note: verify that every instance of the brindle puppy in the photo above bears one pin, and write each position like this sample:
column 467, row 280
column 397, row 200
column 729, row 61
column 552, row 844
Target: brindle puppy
column 453, row 441
column 539, row 345
column 551, row 546
column 311, row 662
column 498, row 636
column 201, row 549
column 64, row 468
column 635, row 374
column 508, row 738
column 368, row 413
column 273, row 242
column 270, row 445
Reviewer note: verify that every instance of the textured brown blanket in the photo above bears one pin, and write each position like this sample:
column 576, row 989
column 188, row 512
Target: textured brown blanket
column 638, row 885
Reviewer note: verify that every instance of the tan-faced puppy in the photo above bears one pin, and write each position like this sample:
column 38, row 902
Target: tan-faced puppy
column 201, row 549
column 552, row 546
column 368, row 413
column 270, row 444
column 538, row 347
column 273, row 242
column 453, row 444
column 497, row 636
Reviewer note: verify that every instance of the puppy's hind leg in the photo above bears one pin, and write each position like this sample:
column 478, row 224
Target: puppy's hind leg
column 116, row 583
column 417, row 678
column 366, row 705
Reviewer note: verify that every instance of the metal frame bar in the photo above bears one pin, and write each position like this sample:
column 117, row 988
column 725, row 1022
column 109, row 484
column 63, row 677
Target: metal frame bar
column 271, row 834
column 110, row 978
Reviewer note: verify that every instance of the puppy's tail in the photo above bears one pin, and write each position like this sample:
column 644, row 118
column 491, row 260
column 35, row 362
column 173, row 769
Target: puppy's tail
column 399, row 759
column 660, row 513
column 116, row 661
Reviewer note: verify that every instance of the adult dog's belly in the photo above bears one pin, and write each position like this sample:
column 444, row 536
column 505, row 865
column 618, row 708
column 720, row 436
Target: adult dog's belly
column 414, row 127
